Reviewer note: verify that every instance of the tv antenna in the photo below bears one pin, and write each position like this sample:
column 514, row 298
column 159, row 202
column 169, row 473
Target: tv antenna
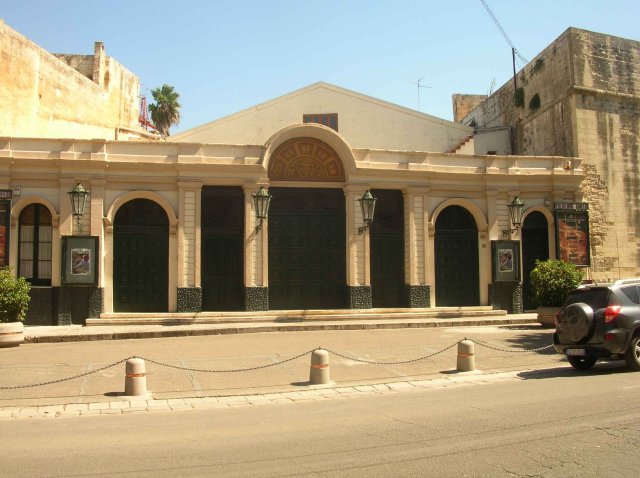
column 417, row 83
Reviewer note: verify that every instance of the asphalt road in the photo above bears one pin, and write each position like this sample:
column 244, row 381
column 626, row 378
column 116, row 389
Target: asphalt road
column 559, row 424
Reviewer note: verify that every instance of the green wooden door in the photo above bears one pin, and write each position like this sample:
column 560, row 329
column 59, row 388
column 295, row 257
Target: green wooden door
column 387, row 250
column 307, row 262
column 535, row 246
column 140, row 258
column 222, row 259
column 456, row 258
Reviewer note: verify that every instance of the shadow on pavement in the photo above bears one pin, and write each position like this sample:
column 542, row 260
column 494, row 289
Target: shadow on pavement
column 601, row 368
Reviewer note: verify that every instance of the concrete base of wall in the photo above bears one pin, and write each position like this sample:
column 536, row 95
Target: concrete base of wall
column 256, row 298
column 418, row 296
column 506, row 296
column 360, row 297
column 189, row 299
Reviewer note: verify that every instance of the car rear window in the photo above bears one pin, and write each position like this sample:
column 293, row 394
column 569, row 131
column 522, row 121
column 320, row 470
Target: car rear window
column 596, row 298
column 632, row 293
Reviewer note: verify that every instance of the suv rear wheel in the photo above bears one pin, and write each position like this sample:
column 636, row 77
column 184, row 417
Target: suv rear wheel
column 582, row 363
column 632, row 355
column 576, row 323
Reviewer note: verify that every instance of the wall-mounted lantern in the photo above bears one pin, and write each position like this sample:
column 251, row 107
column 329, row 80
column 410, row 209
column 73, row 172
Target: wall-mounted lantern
column 78, row 196
column 368, row 206
column 515, row 213
column 261, row 201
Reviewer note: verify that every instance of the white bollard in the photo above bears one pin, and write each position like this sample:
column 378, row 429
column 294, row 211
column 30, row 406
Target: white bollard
column 466, row 358
column 135, row 382
column 319, row 373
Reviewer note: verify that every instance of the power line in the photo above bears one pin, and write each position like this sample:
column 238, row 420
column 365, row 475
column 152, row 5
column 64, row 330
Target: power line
column 504, row 34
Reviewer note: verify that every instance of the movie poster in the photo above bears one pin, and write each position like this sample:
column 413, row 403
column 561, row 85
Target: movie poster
column 572, row 232
column 81, row 262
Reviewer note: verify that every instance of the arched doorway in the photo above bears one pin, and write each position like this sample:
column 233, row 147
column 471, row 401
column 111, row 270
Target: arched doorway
column 387, row 249
column 140, row 257
column 535, row 246
column 307, row 253
column 456, row 258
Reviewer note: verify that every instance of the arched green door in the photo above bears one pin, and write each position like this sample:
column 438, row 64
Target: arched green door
column 456, row 258
column 140, row 257
column 535, row 246
column 387, row 249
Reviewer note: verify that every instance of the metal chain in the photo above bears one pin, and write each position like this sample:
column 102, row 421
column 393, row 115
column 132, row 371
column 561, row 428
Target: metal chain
column 393, row 363
column 499, row 349
column 226, row 370
column 163, row 364
column 14, row 387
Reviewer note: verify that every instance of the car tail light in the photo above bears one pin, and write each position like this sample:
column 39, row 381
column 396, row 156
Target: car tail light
column 611, row 312
column 609, row 336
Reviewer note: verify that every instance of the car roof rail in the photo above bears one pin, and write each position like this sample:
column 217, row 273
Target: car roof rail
column 627, row 281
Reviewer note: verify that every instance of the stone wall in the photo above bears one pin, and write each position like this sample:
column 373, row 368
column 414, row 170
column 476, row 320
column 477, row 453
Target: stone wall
column 580, row 97
column 64, row 96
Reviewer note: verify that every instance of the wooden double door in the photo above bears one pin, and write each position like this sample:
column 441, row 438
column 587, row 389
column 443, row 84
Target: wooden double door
column 307, row 259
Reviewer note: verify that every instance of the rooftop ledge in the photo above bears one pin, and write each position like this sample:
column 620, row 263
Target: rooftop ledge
column 166, row 152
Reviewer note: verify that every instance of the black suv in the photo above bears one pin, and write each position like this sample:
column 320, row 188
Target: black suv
column 600, row 321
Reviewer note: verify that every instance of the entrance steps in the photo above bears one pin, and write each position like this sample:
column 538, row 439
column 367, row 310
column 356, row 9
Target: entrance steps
column 285, row 316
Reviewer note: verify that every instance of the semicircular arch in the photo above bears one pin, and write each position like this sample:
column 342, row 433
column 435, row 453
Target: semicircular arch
column 155, row 197
column 545, row 212
column 33, row 199
column 478, row 215
column 332, row 140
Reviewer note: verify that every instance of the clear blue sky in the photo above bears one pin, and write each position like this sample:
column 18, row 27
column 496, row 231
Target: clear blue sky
column 226, row 55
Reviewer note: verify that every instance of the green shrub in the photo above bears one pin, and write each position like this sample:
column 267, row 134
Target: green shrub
column 14, row 296
column 552, row 280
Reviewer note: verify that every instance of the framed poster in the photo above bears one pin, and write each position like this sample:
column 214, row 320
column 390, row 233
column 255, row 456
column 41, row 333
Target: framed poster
column 79, row 259
column 506, row 260
column 572, row 233
column 5, row 222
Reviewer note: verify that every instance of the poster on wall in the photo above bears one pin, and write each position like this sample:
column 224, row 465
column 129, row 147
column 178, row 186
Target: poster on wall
column 79, row 260
column 572, row 233
column 5, row 221
column 506, row 260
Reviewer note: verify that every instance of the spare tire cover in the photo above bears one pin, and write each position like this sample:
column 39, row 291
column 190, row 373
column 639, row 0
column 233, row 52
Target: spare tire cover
column 576, row 322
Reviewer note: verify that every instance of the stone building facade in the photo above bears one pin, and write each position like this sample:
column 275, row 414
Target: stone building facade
column 45, row 95
column 171, row 227
column 580, row 97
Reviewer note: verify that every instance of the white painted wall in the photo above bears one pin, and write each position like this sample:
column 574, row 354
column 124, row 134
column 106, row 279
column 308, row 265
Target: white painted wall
column 363, row 121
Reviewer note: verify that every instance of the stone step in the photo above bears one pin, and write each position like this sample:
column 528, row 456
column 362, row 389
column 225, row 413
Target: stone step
column 291, row 316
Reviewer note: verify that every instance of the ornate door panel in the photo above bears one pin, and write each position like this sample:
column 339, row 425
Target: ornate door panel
column 387, row 250
column 456, row 259
column 307, row 262
column 140, row 258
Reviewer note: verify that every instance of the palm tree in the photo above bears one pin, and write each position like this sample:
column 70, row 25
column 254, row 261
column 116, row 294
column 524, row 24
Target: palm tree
column 165, row 112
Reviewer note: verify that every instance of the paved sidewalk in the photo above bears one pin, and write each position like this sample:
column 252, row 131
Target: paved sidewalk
column 73, row 333
column 194, row 369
